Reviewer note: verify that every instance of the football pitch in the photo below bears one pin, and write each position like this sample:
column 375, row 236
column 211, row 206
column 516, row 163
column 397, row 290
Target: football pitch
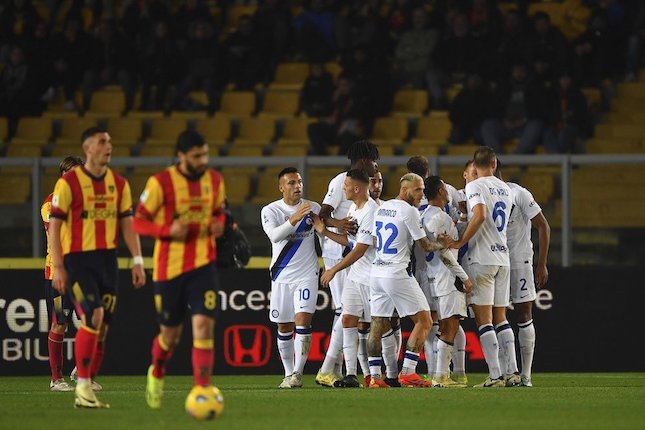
column 557, row 401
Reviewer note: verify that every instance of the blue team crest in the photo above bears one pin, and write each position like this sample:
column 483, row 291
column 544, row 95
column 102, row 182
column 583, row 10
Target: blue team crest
column 308, row 220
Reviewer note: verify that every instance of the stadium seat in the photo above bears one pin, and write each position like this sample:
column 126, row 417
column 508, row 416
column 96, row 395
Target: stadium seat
column 164, row 131
column 216, row 130
column 593, row 97
column 14, row 188
column 432, row 130
column 157, row 150
column 25, row 149
column 389, row 128
column 145, row 115
column 426, row 148
column 621, row 131
column 290, row 76
column 280, row 104
column 124, row 129
column 410, row 103
column 4, row 129
column 106, row 103
column 467, row 149
column 255, row 131
column 542, row 186
column 295, row 129
column 235, row 12
column 615, row 146
column 392, row 181
column 334, row 69
column 33, row 130
column 267, row 189
column 192, row 115
column 290, row 150
column 246, row 151
column 238, row 187
column 72, row 128
column 453, row 175
column 237, row 103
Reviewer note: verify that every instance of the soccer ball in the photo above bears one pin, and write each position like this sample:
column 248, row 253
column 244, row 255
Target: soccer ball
column 204, row 403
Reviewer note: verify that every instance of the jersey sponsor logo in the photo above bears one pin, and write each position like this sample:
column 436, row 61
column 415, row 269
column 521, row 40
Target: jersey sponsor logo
column 144, row 196
column 55, row 201
column 247, row 345
column 193, row 216
column 99, row 214
column 498, row 247
column 100, row 198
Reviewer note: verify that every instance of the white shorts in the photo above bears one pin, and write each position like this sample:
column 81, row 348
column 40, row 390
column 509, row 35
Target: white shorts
column 289, row 299
column 404, row 295
column 336, row 284
column 356, row 300
column 452, row 304
column 523, row 284
column 426, row 287
column 491, row 285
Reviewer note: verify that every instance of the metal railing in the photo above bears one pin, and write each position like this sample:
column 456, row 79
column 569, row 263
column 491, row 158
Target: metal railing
column 565, row 162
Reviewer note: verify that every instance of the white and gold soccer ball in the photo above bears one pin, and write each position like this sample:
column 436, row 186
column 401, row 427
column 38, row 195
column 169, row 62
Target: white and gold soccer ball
column 204, row 403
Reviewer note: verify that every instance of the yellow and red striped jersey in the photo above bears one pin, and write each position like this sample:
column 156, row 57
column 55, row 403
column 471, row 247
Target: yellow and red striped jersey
column 45, row 210
column 91, row 208
column 197, row 201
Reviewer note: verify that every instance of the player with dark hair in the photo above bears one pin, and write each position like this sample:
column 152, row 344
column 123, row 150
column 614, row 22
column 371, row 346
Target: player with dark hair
column 92, row 203
column 362, row 155
column 182, row 208
column 288, row 223
column 376, row 187
column 59, row 307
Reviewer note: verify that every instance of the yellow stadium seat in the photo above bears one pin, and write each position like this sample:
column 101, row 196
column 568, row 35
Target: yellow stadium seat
column 145, row 115
column 245, row 151
column 615, row 146
column 254, row 131
column 410, row 103
column 280, row 104
column 124, row 129
column 334, row 68
column 237, row 103
column 390, row 128
column 290, row 76
column 199, row 97
column 551, row 8
column 157, row 150
column 66, row 148
column 296, row 129
column 542, row 186
column 621, row 131
column 192, row 115
column 14, row 189
column 235, row 12
column 4, row 129
column 467, row 149
column 392, row 181
column 216, row 130
column 164, row 131
column 238, row 187
column 72, row 128
column 25, row 149
column 290, row 150
column 267, row 190
column 106, row 103
column 453, row 175
column 425, row 148
column 35, row 130
column 433, row 128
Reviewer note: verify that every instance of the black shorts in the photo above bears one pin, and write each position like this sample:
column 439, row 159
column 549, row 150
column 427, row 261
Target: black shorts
column 59, row 308
column 93, row 281
column 194, row 291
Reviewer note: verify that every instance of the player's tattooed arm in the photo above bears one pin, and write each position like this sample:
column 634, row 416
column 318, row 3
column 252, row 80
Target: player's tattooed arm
column 430, row 246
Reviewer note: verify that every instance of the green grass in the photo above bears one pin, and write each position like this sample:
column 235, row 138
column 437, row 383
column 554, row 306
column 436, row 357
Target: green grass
column 557, row 401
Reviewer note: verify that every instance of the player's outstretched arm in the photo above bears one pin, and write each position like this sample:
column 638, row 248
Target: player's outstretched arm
column 353, row 256
column 346, row 224
column 544, row 239
column 475, row 222
column 59, row 281
column 134, row 245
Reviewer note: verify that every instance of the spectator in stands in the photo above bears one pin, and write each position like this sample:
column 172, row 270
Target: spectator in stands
column 635, row 44
column 365, row 27
column 511, row 47
column 188, row 13
column 158, row 66
column 316, row 97
column 468, row 111
column 592, row 52
column 570, row 116
column 399, row 19
column 38, row 51
column 17, row 18
column 242, row 55
column 455, row 56
column 112, row 60
column 345, row 124
column 316, row 31
column 517, row 110
column 414, row 50
column 548, row 41
column 272, row 23
column 71, row 50
column 201, row 56
column 140, row 18
column 18, row 94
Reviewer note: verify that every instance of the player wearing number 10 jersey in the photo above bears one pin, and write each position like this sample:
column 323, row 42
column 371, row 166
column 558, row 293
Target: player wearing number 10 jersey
column 182, row 208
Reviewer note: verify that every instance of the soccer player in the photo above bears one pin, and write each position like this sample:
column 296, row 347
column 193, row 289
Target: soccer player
column 487, row 261
column 90, row 205
column 376, row 187
column 356, row 291
column 58, row 306
column 396, row 225
column 442, row 269
column 182, row 207
column 526, row 212
column 362, row 155
column 294, row 272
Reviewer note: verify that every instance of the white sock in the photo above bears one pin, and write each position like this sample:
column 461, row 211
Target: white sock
column 390, row 355
column 444, row 350
column 526, row 338
column 399, row 339
column 429, row 348
column 375, row 367
column 488, row 339
column 362, row 351
column 285, row 347
column 350, row 349
column 302, row 345
column 506, row 339
column 459, row 353
column 435, row 342
column 410, row 361
column 338, row 365
column 335, row 348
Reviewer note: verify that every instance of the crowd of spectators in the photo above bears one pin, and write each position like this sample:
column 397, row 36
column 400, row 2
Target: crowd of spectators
column 520, row 75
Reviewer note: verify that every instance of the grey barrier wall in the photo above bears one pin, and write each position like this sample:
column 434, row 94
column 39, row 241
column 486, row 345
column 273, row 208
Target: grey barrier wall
column 586, row 320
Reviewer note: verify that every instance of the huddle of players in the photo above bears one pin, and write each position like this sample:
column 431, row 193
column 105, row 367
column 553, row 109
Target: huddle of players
column 368, row 246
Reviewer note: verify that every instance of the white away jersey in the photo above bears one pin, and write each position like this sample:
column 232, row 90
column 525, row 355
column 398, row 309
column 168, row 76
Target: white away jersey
column 453, row 204
column 335, row 198
column 525, row 208
column 360, row 271
column 488, row 246
column 397, row 225
column 294, row 255
column 436, row 222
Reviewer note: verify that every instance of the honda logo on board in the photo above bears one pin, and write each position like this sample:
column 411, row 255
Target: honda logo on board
column 247, row 345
